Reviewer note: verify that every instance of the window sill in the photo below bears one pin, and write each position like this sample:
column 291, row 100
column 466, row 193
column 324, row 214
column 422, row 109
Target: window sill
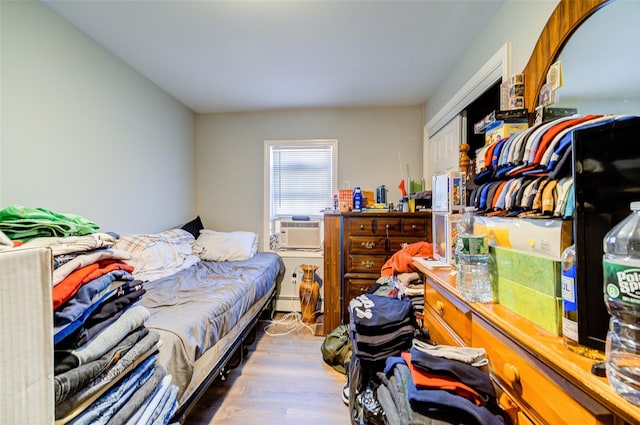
column 292, row 253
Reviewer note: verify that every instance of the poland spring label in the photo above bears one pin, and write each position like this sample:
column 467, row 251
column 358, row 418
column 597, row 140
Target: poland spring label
column 622, row 282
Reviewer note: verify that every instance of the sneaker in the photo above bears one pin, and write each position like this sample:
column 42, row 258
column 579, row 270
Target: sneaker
column 345, row 392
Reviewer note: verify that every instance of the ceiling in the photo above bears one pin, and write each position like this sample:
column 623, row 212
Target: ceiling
column 230, row 56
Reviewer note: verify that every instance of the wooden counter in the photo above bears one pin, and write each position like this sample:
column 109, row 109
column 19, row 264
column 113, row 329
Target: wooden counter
column 540, row 380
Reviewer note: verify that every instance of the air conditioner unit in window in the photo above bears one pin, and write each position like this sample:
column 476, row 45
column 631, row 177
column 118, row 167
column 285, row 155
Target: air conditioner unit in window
column 296, row 234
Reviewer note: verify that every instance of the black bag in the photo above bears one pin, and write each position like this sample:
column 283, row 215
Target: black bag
column 364, row 408
column 336, row 348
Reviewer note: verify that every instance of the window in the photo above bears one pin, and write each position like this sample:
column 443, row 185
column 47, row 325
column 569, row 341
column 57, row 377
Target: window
column 301, row 177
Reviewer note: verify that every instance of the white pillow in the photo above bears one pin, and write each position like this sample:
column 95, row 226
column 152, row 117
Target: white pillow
column 225, row 246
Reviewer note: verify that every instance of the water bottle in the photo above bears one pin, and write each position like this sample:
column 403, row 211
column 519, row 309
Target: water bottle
column 357, row 199
column 472, row 261
column 570, row 324
column 621, row 272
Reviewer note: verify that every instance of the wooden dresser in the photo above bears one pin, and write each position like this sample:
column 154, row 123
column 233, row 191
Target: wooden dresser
column 539, row 381
column 367, row 241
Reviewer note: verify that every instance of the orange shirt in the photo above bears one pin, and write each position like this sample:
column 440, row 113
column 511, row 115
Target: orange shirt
column 402, row 261
column 68, row 287
column 423, row 379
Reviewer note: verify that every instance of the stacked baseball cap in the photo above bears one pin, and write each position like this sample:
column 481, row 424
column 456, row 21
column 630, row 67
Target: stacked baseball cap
column 525, row 174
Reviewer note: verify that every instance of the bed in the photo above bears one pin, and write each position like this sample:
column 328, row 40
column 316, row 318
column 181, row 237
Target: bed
column 217, row 304
column 204, row 296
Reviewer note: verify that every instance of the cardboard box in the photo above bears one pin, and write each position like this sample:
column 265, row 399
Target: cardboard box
column 26, row 336
column 449, row 192
column 529, row 285
column 544, row 236
column 499, row 130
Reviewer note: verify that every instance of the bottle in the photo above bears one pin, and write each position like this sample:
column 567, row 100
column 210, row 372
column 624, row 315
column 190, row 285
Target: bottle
column 570, row 307
column 336, row 202
column 621, row 272
column 357, row 198
column 472, row 261
column 381, row 195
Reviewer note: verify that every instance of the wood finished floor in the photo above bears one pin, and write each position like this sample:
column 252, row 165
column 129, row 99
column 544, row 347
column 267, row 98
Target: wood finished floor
column 283, row 381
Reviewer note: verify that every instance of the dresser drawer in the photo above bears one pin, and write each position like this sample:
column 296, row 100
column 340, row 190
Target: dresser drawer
column 415, row 226
column 365, row 263
column 377, row 245
column 357, row 287
column 379, row 226
column 397, row 243
column 511, row 408
column 367, row 245
column 439, row 331
column 455, row 314
column 531, row 383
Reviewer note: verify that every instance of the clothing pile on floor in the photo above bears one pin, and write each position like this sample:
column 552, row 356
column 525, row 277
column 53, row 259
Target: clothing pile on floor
column 411, row 287
column 399, row 277
column 105, row 359
column 396, row 377
column 438, row 384
column 380, row 327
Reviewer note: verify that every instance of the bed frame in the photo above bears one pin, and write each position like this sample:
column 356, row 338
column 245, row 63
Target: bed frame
column 236, row 353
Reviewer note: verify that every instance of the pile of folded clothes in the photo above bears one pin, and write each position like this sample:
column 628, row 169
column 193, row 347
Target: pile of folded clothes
column 105, row 358
column 380, row 326
column 411, row 287
column 438, row 384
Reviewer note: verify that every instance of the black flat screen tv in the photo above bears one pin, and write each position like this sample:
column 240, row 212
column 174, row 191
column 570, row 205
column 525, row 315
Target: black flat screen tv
column 606, row 177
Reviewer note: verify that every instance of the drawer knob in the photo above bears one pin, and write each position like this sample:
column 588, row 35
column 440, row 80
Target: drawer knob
column 414, row 227
column 508, row 405
column 511, row 373
column 368, row 264
column 440, row 307
column 368, row 244
column 386, row 226
column 362, row 227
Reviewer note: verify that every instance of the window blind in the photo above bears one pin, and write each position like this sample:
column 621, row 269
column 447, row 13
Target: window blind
column 301, row 179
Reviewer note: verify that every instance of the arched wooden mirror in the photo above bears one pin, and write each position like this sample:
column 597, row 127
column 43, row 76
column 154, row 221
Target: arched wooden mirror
column 600, row 62
column 568, row 15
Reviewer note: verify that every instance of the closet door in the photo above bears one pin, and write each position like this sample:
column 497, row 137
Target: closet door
column 443, row 148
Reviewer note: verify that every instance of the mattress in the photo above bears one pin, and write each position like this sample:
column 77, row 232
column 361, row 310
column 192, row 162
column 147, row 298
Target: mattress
column 196, row 308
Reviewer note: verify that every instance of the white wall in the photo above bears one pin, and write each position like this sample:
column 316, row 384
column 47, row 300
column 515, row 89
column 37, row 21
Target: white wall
column 520, row 22
column 82, row 132
column 230, row 154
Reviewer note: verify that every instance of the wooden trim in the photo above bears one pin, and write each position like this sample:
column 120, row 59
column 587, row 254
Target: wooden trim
column 568, row 15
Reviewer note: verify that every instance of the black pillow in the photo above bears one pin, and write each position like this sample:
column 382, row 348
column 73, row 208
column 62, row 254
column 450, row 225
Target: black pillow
column 194, row 227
